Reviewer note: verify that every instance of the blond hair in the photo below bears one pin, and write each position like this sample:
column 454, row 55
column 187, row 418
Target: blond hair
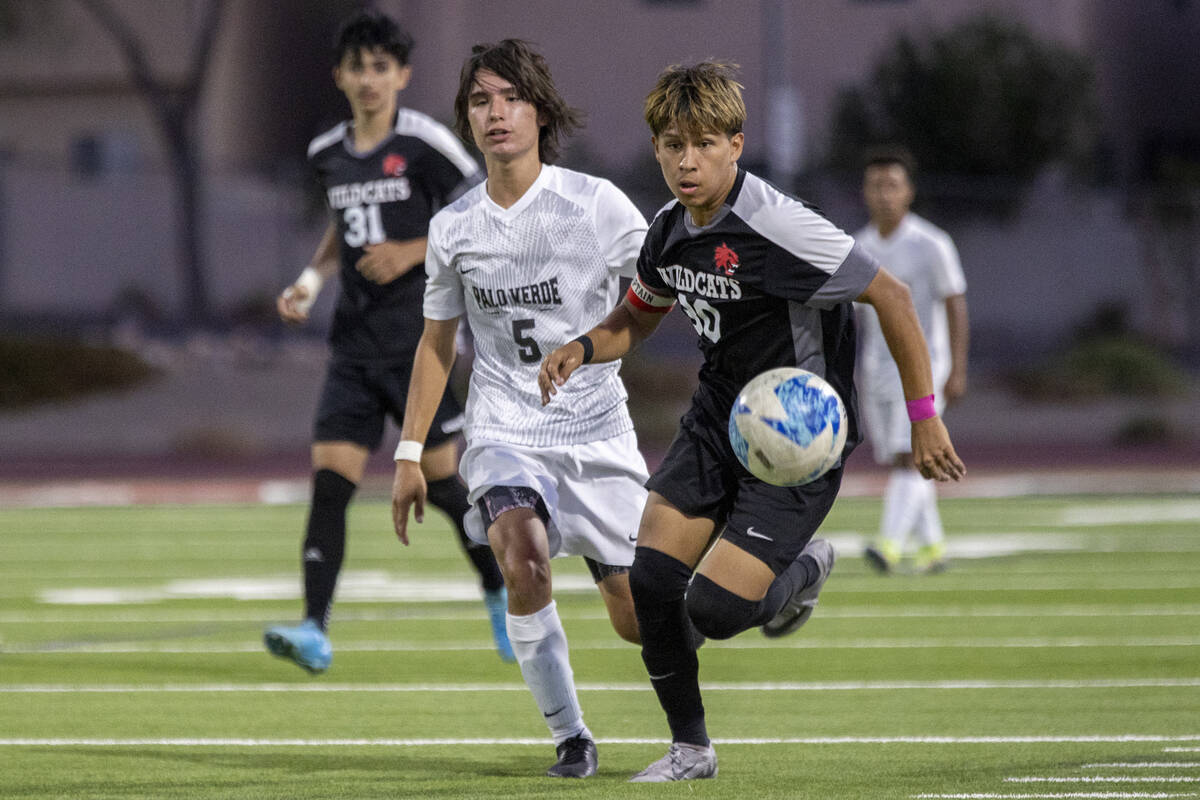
column 699, row 98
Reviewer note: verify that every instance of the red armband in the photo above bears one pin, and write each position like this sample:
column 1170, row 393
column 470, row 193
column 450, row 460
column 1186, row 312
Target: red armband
column 643, row 298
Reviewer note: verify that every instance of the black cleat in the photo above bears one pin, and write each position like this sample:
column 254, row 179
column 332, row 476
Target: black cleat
column 576, row 759
column 800, row 606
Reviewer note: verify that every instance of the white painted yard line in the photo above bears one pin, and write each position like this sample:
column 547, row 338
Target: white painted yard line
column 1144, row 765
column 814, row 686
column 112, row 614
column 1137, row 512
column 994, row 796
column 809, row 740
column 810, row 643
column 1104, row 779
column 1181, row 749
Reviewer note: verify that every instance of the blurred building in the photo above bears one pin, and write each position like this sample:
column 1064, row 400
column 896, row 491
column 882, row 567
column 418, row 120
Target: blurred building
column 86, row 193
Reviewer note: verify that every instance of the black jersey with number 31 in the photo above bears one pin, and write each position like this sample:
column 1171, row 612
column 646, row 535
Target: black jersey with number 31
column 767, row 283
column 389, row 192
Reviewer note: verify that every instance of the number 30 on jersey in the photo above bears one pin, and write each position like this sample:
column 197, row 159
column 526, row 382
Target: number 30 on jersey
column 705, row 319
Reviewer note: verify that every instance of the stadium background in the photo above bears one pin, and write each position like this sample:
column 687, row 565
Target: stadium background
column 155, row 416
column 1084, row 270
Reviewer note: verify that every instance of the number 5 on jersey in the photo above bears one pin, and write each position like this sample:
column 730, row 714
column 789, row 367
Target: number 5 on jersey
column 527, row 348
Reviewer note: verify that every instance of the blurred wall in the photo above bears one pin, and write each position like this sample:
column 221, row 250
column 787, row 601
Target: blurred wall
column 85, row 201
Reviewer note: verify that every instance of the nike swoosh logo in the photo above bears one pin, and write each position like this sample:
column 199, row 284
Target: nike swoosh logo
column 465, row 271
column 552, row 713
column 633, row 538
column 751, row 532
column 660, row 677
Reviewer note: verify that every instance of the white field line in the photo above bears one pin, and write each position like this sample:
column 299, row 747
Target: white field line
column 1054, row 796
column 1144, row 765
column 1181, row 749
column 541, row 741
column 112, row 614
column 284, row 590
column 1105, row 779
column 815, row 686
column 1137, row 512
column 811, row 643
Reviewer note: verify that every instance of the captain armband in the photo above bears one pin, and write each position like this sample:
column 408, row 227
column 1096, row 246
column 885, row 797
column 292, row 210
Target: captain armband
column 643, row 298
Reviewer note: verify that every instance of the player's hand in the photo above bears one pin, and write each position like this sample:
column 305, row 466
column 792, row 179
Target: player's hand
column 933, row 453
column 956, row 387
column 557, row 367
column 384, row 262
column 408, row 491
column 293, row 304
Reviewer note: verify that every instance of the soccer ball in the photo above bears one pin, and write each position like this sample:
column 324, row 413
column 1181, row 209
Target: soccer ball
column 788, row 426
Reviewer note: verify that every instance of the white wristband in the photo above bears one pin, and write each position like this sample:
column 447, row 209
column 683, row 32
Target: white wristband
column 311, row 281
column 408, row 450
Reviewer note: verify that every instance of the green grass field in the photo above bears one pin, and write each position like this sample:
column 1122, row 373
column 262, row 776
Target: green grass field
column 1059, row 657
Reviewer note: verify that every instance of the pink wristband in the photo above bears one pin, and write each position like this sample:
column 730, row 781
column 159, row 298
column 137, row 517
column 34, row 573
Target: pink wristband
column 921, row 408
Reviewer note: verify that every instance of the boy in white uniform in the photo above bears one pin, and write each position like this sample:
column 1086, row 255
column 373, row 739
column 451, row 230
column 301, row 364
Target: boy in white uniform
column 533, row 257
column 924, row 257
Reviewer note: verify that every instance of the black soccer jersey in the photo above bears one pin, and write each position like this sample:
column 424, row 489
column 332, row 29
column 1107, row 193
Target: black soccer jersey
column 768, row 283
column 390, row 192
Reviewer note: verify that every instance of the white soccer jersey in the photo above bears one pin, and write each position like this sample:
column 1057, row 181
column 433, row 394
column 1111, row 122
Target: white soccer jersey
column 531, row 278
column 923, row 256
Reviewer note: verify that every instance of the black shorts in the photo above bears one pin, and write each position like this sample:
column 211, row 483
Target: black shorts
column 357, row 398
column 702, row 477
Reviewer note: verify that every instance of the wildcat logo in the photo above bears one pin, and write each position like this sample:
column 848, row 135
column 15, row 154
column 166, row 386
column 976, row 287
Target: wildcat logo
column 726, row 260
column 394, row 165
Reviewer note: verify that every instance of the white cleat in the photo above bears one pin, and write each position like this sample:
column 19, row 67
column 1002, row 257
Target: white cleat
column 683, row 762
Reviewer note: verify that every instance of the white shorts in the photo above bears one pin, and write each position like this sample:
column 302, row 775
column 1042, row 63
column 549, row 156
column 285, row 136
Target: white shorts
column 594, row 492
column 885, row 417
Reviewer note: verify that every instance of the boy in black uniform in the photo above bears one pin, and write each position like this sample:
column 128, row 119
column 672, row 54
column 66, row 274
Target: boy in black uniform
column 385, row 173
column 767, row 282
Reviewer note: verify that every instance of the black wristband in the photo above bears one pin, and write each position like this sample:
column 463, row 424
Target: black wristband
column 588, row 349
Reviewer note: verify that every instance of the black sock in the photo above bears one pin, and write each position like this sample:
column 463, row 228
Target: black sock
column 800, row 573
column 658, row 583
column 450, row 495
column 325, row 542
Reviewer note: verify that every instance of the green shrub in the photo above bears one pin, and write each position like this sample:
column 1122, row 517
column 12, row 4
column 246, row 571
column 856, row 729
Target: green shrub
column 43, row 370
column 1101, row 366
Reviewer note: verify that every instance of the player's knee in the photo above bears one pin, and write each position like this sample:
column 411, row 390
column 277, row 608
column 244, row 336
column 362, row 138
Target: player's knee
column 717, row 612
column 656, row 578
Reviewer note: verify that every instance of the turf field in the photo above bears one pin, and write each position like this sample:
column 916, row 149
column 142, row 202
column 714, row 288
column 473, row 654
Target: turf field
column 1059, row 657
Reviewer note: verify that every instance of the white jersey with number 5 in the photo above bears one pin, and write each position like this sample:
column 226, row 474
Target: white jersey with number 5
column 531, row 278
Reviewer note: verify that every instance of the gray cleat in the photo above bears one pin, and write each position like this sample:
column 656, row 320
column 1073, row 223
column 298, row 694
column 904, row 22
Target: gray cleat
column 683, row 762
column 800, row 606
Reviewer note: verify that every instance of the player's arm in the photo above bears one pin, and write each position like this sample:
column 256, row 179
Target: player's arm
column 430, row 372
column 295, row 301
column 959, row 328
column 384, row 262
column 933, row 452
column 623, row 329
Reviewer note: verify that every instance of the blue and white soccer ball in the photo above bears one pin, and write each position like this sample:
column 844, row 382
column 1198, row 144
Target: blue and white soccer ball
column 788, row 426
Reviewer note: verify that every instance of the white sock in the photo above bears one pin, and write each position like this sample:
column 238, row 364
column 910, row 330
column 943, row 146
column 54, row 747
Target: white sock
column 929, row 522
column 540, row 644
column 901, row 505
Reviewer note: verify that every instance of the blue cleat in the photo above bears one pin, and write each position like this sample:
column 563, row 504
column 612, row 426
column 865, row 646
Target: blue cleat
column 497, row 606
column 306, row 644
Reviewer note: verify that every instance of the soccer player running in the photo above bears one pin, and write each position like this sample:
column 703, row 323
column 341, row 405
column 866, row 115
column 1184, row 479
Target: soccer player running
column 924, row 257
column 532, row 256
column 767, row 282
column 384, row 172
